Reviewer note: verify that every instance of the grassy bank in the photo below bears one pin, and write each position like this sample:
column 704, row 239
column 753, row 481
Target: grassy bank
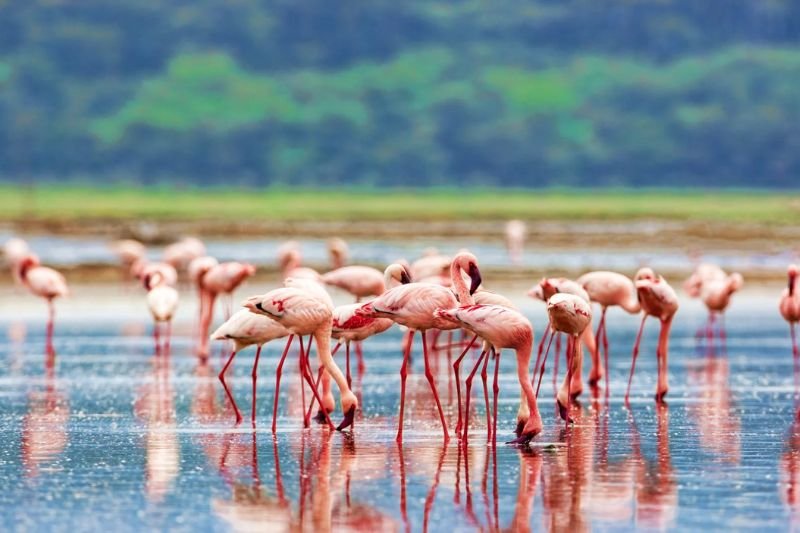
column 72, row 203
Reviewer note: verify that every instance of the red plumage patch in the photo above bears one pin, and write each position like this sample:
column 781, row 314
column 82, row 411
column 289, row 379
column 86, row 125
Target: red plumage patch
column 354, row 322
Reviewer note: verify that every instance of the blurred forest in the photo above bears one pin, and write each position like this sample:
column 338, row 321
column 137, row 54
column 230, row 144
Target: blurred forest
column 404, row 93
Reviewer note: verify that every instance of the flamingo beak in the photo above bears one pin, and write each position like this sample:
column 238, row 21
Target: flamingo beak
column 475, row 276
column 518, row 430
column 252, row 304
column 792, row 278
column 405, row 277
column 524, row 439
column 348, row 418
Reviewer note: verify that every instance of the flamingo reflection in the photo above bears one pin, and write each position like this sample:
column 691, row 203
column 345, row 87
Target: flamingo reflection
column 44, row 427
column 718, row 426
column 789, row 471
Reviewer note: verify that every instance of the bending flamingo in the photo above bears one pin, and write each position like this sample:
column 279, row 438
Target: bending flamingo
column 45, row 283
column 609, row 289
column 223, row 278
column 245, row 329
column 163, row 302
column 790, row 309
column 659, row 300
column 302, row 313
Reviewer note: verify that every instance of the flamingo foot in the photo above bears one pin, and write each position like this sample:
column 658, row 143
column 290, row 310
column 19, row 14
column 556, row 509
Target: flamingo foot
column 348, row 419
column 518, row 429
column 564, row 412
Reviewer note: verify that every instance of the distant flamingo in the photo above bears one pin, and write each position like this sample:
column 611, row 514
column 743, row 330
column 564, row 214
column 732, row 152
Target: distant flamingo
column 162, row 301
column 431, row 264
column 716, row 295
column 413, row 305
column 339, row 252
column 45, row 283
column 143, row 267
column 196, row 270
column 244, row 329
column 360, row 281
column 568, row 314
column 181, row 253
column 14, row 251
column 515, row 240
column 223, row 278
column 290, row 261
column 609, row 289
column 128, row 251
column 790, row 310
column 304, row 314
column 659, row 300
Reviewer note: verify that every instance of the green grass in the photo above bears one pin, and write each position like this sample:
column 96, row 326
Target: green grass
column 55, row 202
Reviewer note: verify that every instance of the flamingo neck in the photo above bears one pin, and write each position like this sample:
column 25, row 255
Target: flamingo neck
column 464, row 297
column 792, row 279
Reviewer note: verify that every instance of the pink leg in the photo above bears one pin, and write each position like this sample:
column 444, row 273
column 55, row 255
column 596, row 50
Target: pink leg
column 51, row 318
column 310, row 380
column 496, row 390
column 362, row 367
column 301, row 368
column 347, row 362
column 795, row 357
column 469, row 394
column 572, row 342
column 403, row 376
column 484, row 376
column 432, row 383
column 278, row 383
column 254, row 375
column 544, row 362
column 227, row 389
column 456, row 367
column 635, row 355
column 168, row 339
column 555, row 365
column 540, row 350
column 156, row 338
column 605, row 359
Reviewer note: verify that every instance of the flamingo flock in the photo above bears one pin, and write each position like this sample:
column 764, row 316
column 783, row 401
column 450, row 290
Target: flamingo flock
column 434, row 294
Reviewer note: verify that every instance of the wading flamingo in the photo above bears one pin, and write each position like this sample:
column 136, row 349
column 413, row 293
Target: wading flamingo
column 790, row 310
column 143, row 267
column 716, row 295
column 162, row 300
column 302, row 313
column 568, row 314
column 658, row 300
column 413, row 305
column 128, row 251
column 223, row 278
column 360, row 281
column 45, row 283
column 609, row 289
column 14, row 251
column 245, row 329
column 180, row 254
column 431, row 264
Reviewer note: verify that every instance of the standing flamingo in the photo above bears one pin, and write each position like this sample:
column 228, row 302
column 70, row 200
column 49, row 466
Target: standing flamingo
column 181, row 253
column 609, row 289
column 290, row 260
column 162, row 301
column 143, row 267
column 128, row 251
column 339, row 252
column 223, row 278
column 716, row 295
column 244, row 329
column 45, row 283
column 659, row 300
column 413, row 305
column 302, row 313
column 360, row 281
column 568, row 314
column 790, row 309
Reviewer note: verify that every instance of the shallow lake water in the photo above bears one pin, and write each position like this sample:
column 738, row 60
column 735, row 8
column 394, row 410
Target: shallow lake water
column 118, row 438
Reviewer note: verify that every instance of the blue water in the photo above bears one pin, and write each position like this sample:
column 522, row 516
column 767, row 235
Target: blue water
column 118, row 438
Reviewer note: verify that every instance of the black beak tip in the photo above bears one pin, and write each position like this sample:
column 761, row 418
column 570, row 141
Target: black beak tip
column 260, row 307
column 518, row 430
column 348, row 419
column 523, row 440
column 564, row 412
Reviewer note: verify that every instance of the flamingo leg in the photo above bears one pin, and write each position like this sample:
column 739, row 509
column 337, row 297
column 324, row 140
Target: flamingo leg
column 156, row 338
column 456, row 367
column 168, row 338
column 362, row 367
column 469, row 394
column 572, row 343
column 254, row 376
column 302, row 369
column 555, row 364
column 633, row 359
column 432, row 383
column 310, row 380
column 347, row 362
column 51, row 318
column 278, row 383
column 544, row 362
column 496, row 390
column 403, row 376
column 227, row 389
column 484, row 376
column 540, row 349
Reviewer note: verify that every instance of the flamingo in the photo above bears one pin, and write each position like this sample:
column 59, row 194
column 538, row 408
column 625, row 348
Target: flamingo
column 716, row 295
column 43, row 282
column 609, row 289
column 181, row 253
column 543, row 290
column 515, row 239
column 360, row 281
column 790, row 309
column 413, row 305
column 245, row 329
column 162, row 300
column 290, row 260
column 15, row 250
column 431, row 264
column 302, row 313
column 143, row 267
column 339, row 252
column 568, row 314
column 223, row 278
column 128, row 251
column 658, row 299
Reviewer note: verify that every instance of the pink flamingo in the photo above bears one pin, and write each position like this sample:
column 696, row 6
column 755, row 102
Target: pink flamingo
column 143, row 267
column 659, row 300
column 14, row 251
column 45, row 283
column 360, row 281
column 568, row 314
column 181, row 253
column 609, row 289
column 128, row 251
column 790, row 309
column 302, row 313
column 163, row 302
column 245, row 329
column 431, row 264
column 716, row 295
column 413, row 305
column 290, row 261
column 339, row 252
column 515, row 240
column 223, row 278
column 544, row 290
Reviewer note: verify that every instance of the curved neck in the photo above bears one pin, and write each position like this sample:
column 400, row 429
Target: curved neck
column 464, row 297
column 323, row 339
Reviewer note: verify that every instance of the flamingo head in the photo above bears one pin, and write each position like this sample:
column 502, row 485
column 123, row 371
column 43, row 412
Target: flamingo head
column 367, row 310
column 27, row 262
column 645, row 273
column 468, row 263
column 396, row 272
column 199, row 266
column 152, row 279
column 537, row 291
column 349, row 406
column 253, row 304
column 792, row 271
